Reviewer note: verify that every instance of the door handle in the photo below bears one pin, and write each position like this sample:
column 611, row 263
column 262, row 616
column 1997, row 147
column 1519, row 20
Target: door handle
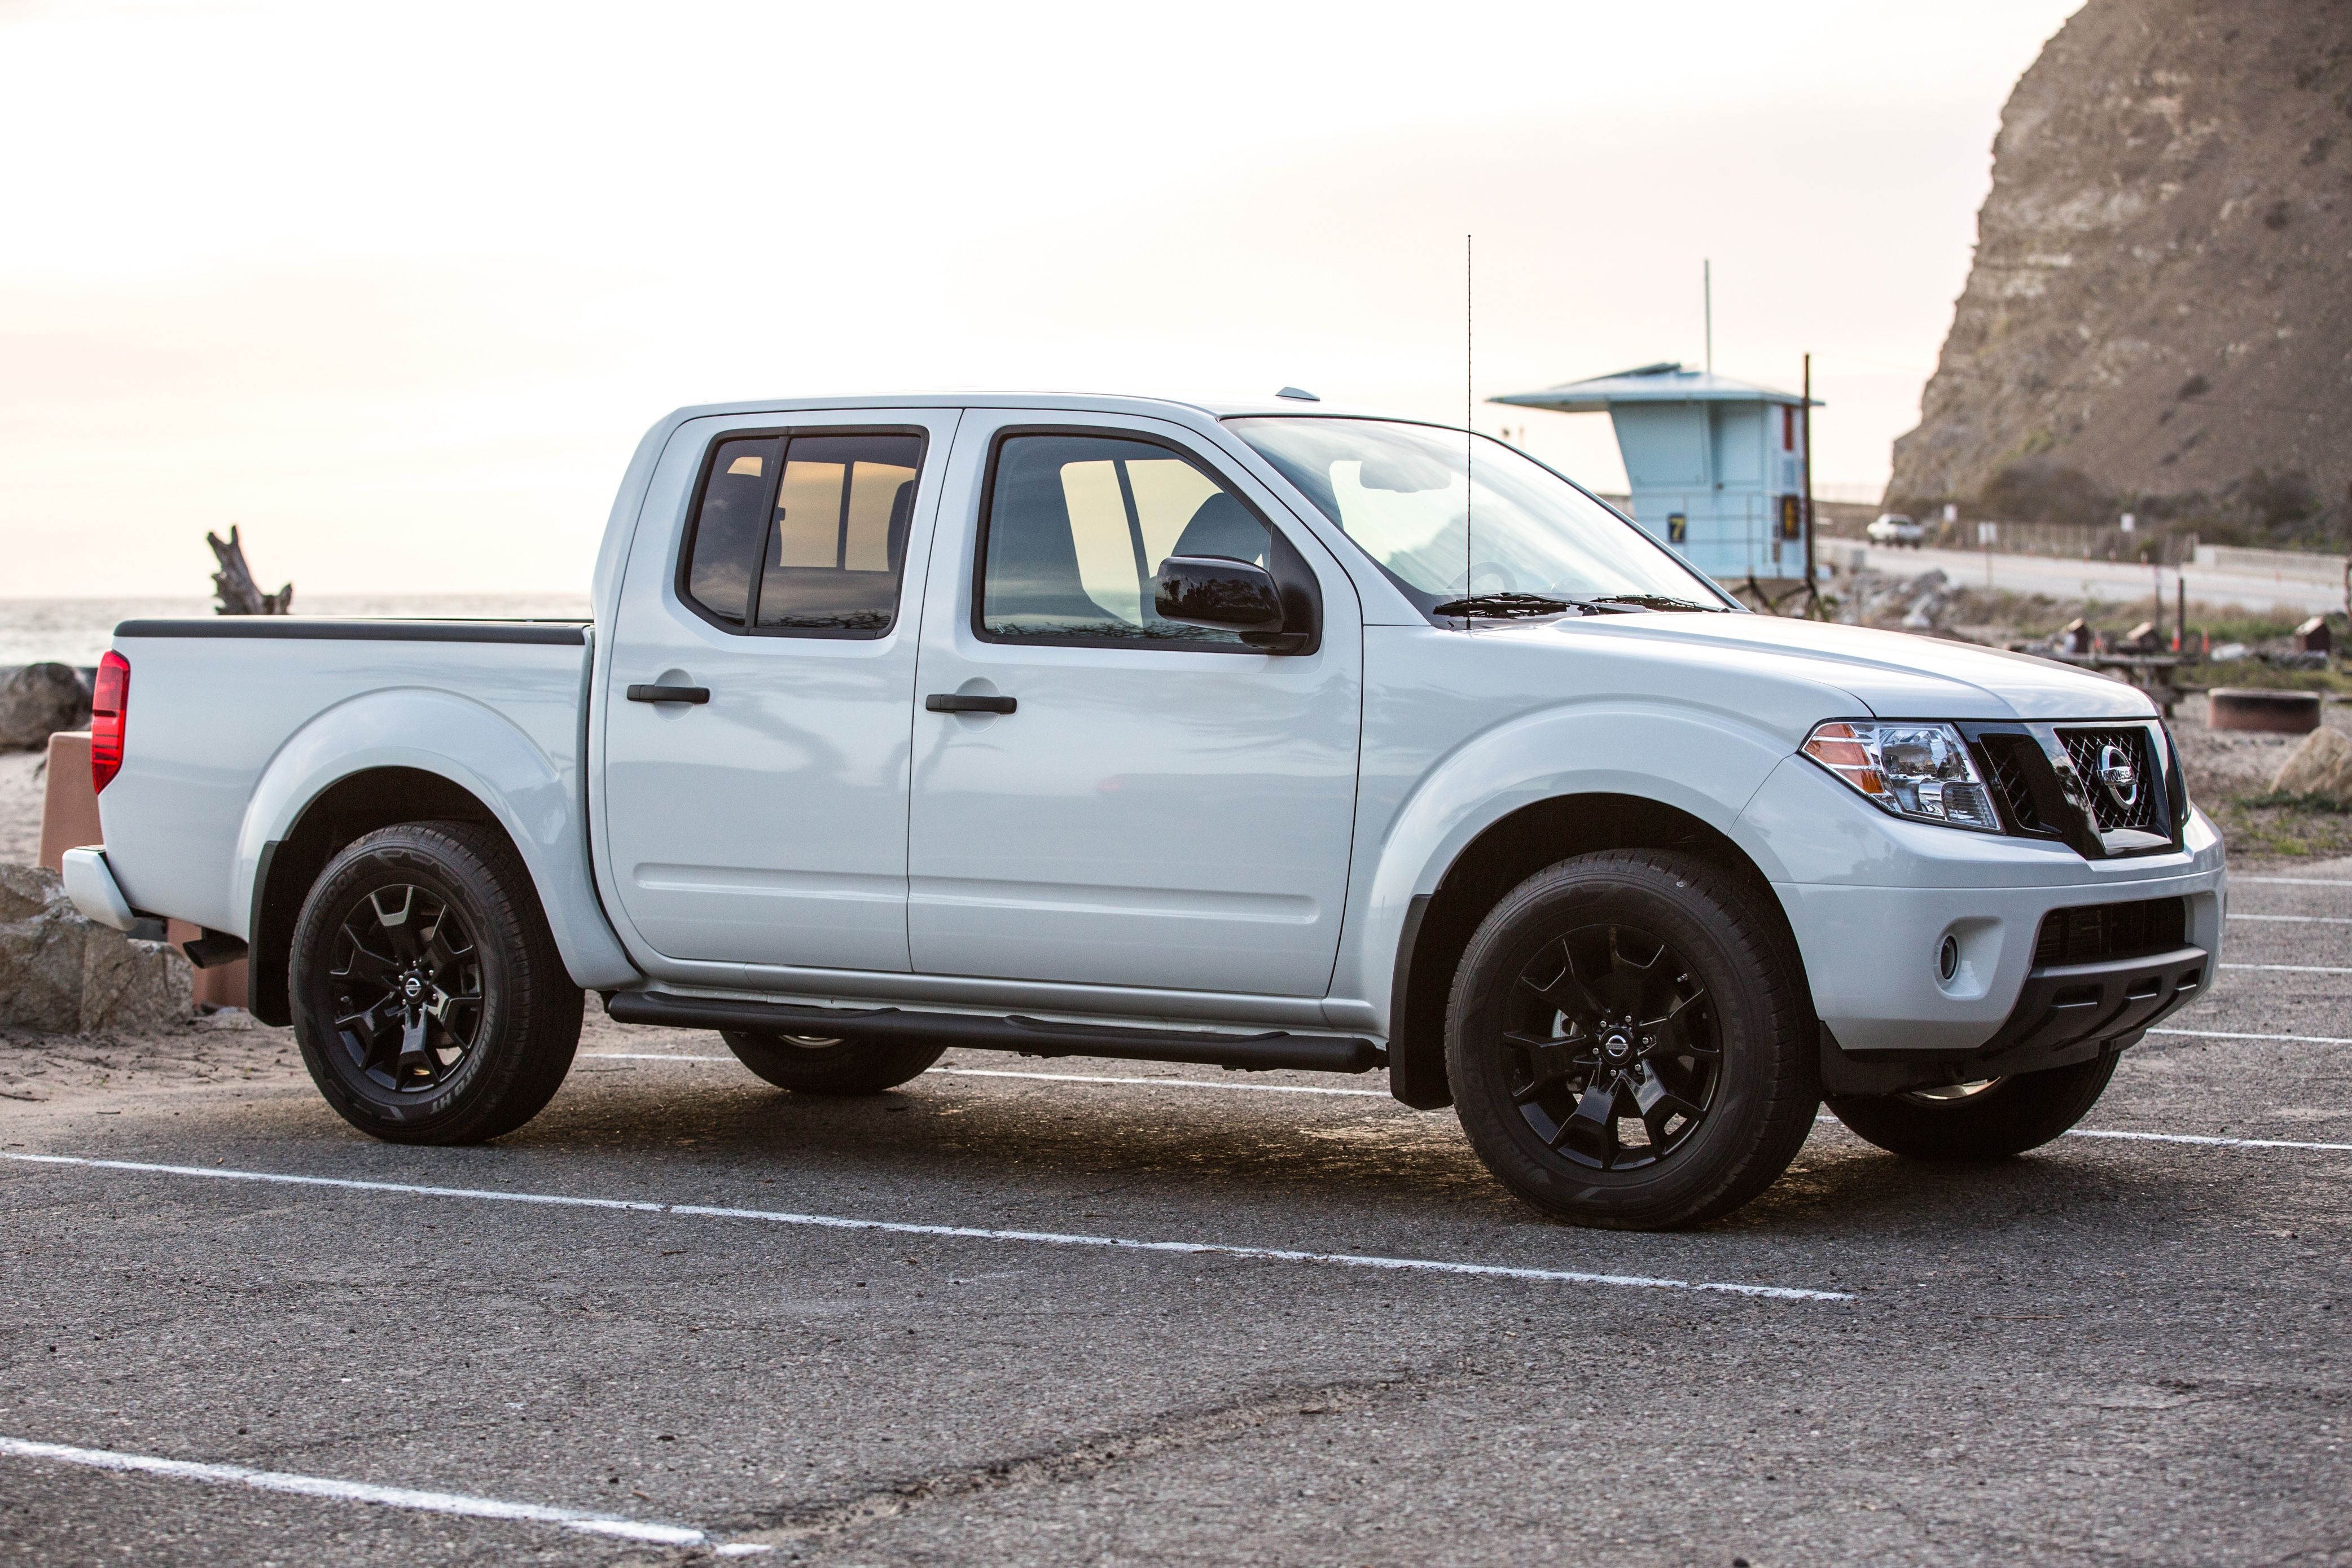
column 644, row 694
column 956, row 702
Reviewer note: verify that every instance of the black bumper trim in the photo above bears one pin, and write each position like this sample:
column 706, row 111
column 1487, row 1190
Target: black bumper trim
column 2068, row 1003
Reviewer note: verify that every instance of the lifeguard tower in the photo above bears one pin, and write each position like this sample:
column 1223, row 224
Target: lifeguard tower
column 1716, row 466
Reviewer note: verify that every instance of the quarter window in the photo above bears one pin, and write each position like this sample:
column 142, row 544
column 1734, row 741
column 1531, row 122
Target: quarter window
column 1077, row 526
column 805, row 535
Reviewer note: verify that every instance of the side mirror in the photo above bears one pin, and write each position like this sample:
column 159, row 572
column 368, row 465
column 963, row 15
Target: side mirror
column 1227, row 595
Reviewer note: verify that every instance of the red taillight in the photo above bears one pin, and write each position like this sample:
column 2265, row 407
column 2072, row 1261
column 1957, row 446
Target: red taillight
column 109, row 705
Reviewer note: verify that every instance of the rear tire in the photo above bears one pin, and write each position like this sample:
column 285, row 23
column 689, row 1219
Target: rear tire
column 1630, row 1044
column 2006, row 1117
column 429, row 998
column 810, row 1065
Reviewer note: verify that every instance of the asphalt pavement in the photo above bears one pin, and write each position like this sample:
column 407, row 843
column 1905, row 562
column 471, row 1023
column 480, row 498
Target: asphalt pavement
column 1074, row 1311
column 2112, row 582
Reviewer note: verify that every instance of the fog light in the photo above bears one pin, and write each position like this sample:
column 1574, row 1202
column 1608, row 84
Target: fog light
column 1948, row 959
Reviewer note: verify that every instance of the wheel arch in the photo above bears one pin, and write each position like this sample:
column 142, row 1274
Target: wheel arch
column 1438, row 924
column 339, row 778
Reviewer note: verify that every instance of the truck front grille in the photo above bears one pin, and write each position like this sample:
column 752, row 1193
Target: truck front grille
column 2089, row 748
column 2093, row 932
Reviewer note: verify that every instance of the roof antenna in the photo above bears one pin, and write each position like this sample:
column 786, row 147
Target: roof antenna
column 1707, row 297
column 1469, row 438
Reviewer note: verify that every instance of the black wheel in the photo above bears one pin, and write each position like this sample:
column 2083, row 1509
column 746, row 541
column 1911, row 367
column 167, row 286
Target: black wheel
column 1630, row 1043
column 1990, row 1120
column 815, row 1065
column 429, row 999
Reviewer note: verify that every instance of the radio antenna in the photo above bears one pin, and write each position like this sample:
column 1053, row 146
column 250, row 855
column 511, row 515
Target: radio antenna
column 1469, row 439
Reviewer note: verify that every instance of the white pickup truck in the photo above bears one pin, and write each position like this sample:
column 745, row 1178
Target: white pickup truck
column 1260, row 734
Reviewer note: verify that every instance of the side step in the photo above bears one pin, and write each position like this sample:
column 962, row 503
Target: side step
column 1030, row 1037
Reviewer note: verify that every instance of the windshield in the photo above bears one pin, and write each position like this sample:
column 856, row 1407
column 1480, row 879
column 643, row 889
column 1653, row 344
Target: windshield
column 1398, row 490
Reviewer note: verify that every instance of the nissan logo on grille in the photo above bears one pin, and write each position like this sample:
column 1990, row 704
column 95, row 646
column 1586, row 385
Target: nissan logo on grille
column 2120, row 774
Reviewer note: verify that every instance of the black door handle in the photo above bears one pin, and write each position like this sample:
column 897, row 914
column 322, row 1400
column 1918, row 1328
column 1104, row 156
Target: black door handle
column 956, row 702
column 642, row 694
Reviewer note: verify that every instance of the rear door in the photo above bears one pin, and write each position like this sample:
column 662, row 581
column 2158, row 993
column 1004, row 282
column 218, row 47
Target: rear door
column 761, row 684
column 1164, row 808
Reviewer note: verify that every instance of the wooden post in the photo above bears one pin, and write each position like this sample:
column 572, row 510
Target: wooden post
column 1805, row 427
column 239, row 595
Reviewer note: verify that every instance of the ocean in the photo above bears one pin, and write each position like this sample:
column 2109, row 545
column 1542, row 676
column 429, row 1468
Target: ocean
column 77, row 630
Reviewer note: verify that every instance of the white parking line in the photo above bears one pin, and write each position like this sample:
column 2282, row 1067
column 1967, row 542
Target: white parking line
column 2298, row 919
column 966, row 1232
column 361, row 1491
column 2293, row 968
column 2297, row 881
column 2225, row 1034
column 2200, row 1138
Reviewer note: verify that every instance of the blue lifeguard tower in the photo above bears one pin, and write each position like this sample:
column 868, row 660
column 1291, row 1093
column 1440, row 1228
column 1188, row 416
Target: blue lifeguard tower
column 1716, row 466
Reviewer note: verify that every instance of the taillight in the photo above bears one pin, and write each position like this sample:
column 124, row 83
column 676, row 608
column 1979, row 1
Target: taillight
column 109, row 705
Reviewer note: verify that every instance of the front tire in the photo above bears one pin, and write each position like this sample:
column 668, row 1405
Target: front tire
column 1983, row 1121
column 810, row 1065
column 430, row 1002
column 1630, row 1044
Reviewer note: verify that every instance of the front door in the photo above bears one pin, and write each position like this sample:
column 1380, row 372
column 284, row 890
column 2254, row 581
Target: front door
column 1164, row 807
column 761, row 688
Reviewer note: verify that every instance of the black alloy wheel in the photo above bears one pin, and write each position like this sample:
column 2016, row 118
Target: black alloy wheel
column 1629, row 1040
column 430, row 1002
column 408, row 984
column 1615, row 1055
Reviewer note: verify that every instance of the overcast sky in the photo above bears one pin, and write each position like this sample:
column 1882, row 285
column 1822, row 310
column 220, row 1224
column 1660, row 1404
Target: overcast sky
column 398, row 287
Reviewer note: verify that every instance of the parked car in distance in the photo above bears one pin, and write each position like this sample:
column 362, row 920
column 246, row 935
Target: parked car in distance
column 1895, row 529
column 1257, row 733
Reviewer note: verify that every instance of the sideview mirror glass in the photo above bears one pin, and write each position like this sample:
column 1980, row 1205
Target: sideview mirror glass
column 1213, row 590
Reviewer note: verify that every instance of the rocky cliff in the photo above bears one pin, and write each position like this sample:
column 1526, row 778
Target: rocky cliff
column 2161, row 301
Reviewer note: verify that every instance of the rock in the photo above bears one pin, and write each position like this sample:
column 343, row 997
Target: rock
column 62, row 973
column 2321, row 765
column 38, row 700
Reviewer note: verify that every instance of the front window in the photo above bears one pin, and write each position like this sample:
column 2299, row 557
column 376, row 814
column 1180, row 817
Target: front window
column 1535, row 543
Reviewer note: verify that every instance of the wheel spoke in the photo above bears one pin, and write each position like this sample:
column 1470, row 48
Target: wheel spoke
column 364, row 964
column 414, row 1055
column 1591, row 1129
column 1567, row 991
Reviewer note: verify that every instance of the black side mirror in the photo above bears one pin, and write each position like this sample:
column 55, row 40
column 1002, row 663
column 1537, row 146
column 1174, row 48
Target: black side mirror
column 1229, row 595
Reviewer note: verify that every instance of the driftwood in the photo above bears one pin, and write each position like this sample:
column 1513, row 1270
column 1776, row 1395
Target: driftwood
column 233, row 583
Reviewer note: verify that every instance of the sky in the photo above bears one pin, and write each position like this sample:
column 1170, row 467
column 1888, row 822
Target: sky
column 396, row 288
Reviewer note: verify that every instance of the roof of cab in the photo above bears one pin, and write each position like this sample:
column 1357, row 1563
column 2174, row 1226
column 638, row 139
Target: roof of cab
column 1214, row 406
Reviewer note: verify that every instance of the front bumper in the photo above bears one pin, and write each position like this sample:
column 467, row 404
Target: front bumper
column 1871, row 899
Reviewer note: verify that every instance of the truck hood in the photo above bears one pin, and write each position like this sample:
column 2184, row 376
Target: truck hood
column 1891, row 674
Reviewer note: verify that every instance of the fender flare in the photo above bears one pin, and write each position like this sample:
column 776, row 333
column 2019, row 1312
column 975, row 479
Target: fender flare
column 1707, row 765
column 481, row 752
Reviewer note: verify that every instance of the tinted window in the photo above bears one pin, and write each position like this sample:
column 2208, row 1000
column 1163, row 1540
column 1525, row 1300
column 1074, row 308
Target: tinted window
column 1077, row 526
column 816, row 524
column 728, row 525
column 838, row 537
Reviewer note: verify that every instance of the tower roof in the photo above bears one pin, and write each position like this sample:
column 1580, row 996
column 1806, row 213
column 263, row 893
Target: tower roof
column 1666, row 381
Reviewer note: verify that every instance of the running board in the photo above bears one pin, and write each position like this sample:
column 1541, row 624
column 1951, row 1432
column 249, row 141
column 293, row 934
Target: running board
column 1030, row 1037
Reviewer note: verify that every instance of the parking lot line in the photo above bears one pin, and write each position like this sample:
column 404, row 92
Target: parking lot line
column 2298, row 919
column 2202, row 1138
column 2225, row 1034
column 2294, row 968
column 2298, row 881
column 963, row 1232
column 456, row 1503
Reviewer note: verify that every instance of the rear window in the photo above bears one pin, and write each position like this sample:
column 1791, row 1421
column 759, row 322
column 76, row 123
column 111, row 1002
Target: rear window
column 804, row 535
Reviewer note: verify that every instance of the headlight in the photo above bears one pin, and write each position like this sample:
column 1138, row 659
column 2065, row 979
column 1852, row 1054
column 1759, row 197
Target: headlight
column 1918, row 770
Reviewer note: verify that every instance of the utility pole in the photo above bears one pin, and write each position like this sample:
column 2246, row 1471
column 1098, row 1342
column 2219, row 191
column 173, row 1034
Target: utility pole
column 1707, row 299
column 1805, row 430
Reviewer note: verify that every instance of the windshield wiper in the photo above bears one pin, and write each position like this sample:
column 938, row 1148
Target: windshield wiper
column 1503, row 606
column 1648, row 602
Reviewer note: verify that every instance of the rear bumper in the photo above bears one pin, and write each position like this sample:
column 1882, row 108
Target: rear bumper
column 89, row 882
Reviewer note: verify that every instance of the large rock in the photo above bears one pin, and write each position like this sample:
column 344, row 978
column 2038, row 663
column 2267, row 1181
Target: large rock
column 62, row 973
column 38, row 700
column 2321, row 765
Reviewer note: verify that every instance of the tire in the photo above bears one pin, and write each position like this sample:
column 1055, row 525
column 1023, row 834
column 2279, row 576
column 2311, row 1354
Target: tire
column 482, row 1040
column 2005, row 1116
column 1544, row 1082
column 808, row 1065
